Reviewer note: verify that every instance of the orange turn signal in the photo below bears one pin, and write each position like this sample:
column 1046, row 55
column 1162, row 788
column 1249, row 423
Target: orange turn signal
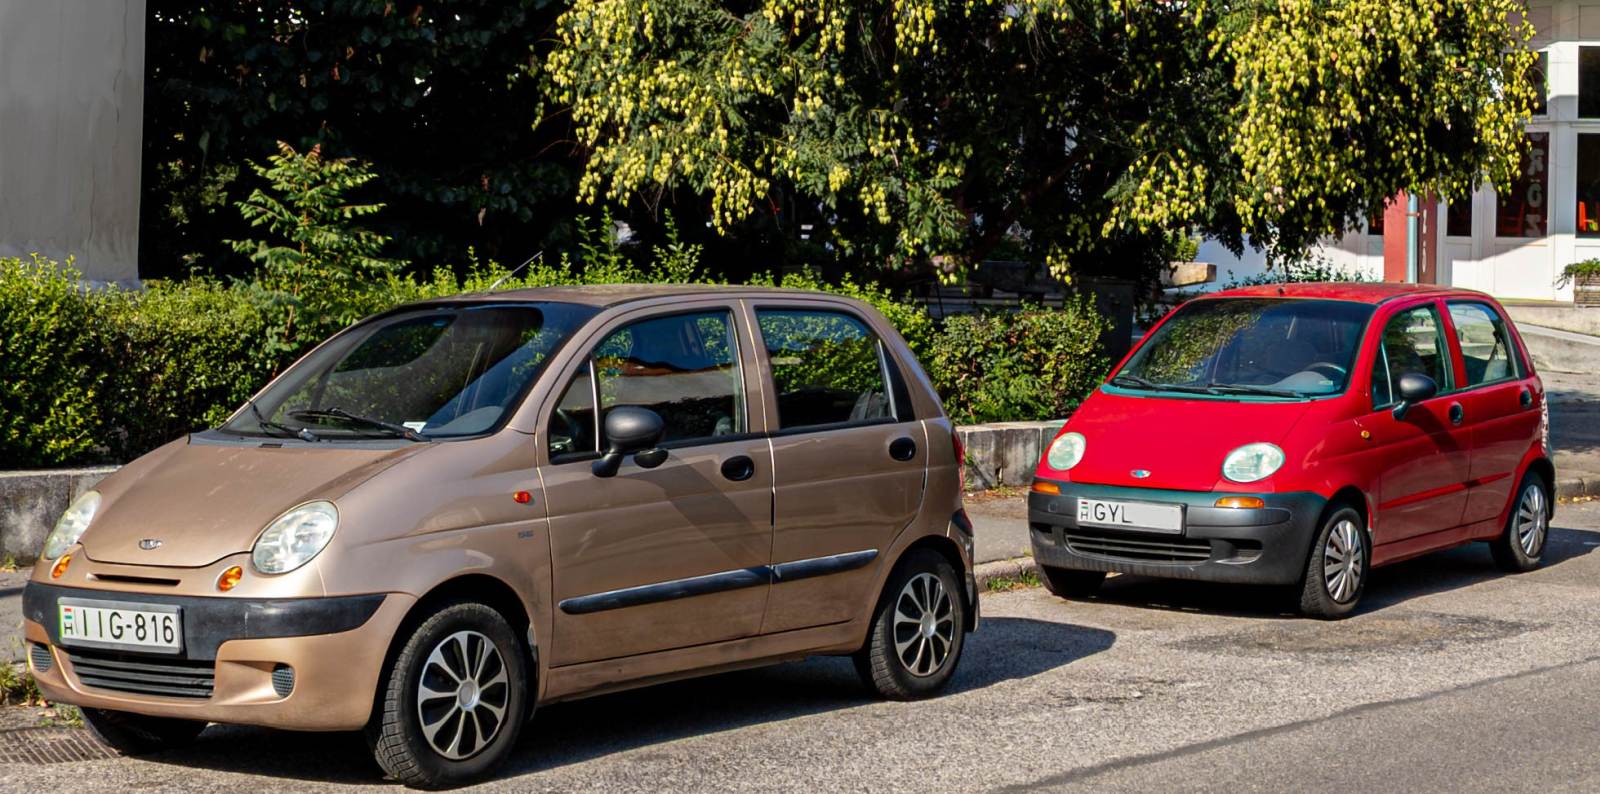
column 1047, row 487
column 522, row 497
column 229, row 578
column 1242, row 502
column 60, row 566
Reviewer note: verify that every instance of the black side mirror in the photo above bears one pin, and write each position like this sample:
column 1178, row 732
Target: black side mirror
column 1414, row 388
column 632, row 430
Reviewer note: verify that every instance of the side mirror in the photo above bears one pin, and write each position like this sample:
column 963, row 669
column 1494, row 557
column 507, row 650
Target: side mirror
column 632, row 430
column 1414, row 388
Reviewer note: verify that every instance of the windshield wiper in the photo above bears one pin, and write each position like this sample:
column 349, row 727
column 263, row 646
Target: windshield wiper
column 1134, row 381
column 302, row 433
column 356, row 419
column 1241, row 388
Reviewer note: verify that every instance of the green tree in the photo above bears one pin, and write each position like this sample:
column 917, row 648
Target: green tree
column 1099, row 133
column 321, row 255
column 433, row 95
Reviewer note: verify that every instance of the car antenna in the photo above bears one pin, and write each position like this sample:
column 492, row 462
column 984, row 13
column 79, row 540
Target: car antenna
column 501, row 280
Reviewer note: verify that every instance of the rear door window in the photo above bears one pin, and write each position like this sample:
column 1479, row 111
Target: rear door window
column 1486, row 349
column 829, row 369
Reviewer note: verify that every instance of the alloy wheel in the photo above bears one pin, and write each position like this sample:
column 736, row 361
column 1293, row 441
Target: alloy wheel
column 1342, row 561
column 1532, row 521
column 924, row 625
column 462, row 695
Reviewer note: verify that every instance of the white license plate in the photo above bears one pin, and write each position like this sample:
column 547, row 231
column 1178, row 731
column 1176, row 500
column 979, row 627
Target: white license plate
column 1142, row 516
column 107, row 624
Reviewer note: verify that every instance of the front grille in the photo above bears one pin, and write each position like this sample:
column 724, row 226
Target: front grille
column 144, row 675
column 40, row 656
column 1137, row 549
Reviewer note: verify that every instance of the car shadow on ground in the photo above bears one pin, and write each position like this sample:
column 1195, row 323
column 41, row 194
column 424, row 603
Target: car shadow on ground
column 1390, row 585
column 1003, row 649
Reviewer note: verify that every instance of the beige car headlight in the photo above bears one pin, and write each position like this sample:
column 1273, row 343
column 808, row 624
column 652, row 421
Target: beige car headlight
column 295, row 537
column 71, row 525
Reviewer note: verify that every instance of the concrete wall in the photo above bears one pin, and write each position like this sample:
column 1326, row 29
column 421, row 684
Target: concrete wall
column 71, row 116
column 31, row 501
column 1555, row 315
column 1005, row 453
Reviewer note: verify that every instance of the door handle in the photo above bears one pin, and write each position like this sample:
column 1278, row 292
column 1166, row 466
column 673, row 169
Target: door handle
column 1527, row 398
column 1457, row 413
column 902, row 448
column 739, row 468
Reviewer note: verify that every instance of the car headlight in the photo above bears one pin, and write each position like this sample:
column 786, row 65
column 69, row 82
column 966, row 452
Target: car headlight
column 71, row 525
column 295, row 537
column 1066, row 451
column 1252, row 462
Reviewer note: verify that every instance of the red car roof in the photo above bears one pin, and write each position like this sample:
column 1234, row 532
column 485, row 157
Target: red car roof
column 1361, row 292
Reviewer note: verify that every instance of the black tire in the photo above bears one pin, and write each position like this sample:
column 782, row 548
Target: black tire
column 137, row 734
column 882, row 663
column 396, row 734
column 1323, row 594
column 1520, row 546
column 1068, row 583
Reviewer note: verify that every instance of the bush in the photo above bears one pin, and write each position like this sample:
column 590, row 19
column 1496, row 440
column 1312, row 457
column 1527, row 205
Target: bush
column 91, row 376
column 1033, row 364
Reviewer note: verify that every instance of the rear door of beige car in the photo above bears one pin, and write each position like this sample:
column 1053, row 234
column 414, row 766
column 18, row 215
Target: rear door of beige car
column 849, row 455
column 674, row 556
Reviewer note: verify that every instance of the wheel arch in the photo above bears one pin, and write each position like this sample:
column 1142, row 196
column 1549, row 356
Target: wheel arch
column 948, row 549
column 480, row 588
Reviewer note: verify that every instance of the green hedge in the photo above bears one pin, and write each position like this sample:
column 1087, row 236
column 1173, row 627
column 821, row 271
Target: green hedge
column 105, row 375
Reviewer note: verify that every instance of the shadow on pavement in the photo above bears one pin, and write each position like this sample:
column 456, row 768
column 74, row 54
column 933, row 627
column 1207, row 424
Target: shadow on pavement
column 1437, row 572
column 566, row 733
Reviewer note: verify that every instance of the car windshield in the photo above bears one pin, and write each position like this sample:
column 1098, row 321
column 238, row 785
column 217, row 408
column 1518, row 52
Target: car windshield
column 1267, row 347
column 429, row 373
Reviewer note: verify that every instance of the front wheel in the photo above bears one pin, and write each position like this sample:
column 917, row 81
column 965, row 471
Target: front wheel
column 1336, row 574
column 917, row 631
column 137, row 734
column 453, row 700
column 1520, row 546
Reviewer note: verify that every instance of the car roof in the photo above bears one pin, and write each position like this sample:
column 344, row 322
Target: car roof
column 605, row 295
column 1360, row 292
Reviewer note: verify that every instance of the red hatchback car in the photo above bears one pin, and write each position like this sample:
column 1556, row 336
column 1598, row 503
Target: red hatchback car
column 1301, row 434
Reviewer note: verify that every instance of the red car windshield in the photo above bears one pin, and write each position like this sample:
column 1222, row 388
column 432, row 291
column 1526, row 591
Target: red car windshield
column 1275, row 347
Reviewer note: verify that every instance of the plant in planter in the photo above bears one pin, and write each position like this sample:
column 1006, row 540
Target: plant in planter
column 1585, row 278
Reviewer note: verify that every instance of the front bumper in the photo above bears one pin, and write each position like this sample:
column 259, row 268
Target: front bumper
column 332, row 647
column 1267, row 545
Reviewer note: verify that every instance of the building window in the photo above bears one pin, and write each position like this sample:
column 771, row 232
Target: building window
column 1523, row 211
column 1539, row 76
column 1588, row 210
column 1589, row 82
column 1458, row 218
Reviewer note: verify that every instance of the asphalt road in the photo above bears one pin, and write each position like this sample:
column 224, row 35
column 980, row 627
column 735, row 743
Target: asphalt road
column 1453, row 677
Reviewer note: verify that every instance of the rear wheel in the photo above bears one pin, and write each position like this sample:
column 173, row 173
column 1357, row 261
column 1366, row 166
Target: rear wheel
column 453, row 700
column 1521, row 546
column 1067, row 583
column 1336, row 574
column 917, row 631
column 137, row 734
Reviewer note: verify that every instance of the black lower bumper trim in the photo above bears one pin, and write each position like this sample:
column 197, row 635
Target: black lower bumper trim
column 210, row 621
column 1266, row 545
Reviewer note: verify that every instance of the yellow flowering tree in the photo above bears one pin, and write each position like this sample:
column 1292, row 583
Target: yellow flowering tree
column 1093, row 133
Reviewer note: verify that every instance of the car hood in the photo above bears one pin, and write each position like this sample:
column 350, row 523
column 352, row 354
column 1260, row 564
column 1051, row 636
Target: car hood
column 1179, row 443
column 205, row 501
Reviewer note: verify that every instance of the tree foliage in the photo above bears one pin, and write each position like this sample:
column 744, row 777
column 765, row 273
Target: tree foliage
column 434, row 95
column 1097, row 132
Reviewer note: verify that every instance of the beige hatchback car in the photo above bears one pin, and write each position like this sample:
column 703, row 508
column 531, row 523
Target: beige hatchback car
column 459, row 509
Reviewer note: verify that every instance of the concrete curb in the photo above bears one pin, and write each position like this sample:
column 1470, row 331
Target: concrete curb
column 1578, row 487
column 1002, row 569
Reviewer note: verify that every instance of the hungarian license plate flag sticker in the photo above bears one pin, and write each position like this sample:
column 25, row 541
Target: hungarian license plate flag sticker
column 66, row 620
